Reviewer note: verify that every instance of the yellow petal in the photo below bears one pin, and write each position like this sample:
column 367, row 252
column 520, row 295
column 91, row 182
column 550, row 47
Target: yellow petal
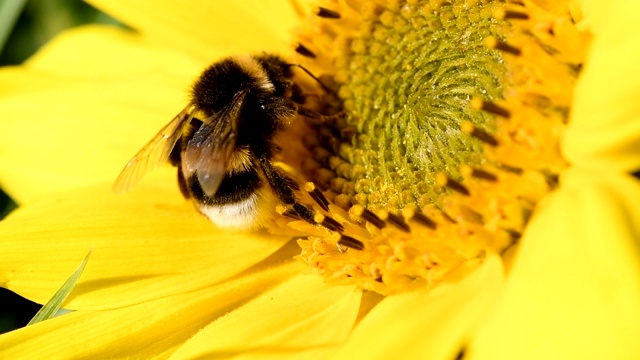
column 427, row 325
column 594, row 15
column 205, row 28
column 574, row 291
column 83, row 106
column 146, row 244
column 148, row 330
column 599, row 15
column 301, row 319
column 604, row 132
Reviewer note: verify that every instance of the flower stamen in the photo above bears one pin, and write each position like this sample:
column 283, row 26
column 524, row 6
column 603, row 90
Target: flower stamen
column 304, row 51
column 394, row 220
column 328, row 222
column 493, row 43
column 443, row 180
column 317, row 195
column 365, row 214
column 411, row 214
column 503, row 14
column 479, row 134
column 490, row 107
column 326, row 13
column 350, row 242
column 467, row 170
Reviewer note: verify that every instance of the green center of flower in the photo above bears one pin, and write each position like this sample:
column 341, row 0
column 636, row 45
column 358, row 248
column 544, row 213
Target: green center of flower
column 407, row 79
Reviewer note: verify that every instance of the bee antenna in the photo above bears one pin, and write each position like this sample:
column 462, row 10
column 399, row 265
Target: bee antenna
column 324, row 87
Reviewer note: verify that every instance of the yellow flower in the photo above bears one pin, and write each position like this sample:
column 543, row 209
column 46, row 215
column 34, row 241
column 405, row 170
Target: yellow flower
column 162, row 282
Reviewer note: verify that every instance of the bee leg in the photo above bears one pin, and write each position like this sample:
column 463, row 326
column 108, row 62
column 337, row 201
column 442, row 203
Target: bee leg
column 314, row 118
column 283, row 186
column 304, row 212
column 322, row 85
column 175, row 156
column 182, row 184
column 297, row 95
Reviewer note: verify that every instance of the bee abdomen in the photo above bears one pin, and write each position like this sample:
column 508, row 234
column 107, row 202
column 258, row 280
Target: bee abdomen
column 239, row 215
column 235, row 204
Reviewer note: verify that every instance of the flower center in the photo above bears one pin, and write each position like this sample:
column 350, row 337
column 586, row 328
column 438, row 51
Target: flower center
column 406, row 81
column 447, row 138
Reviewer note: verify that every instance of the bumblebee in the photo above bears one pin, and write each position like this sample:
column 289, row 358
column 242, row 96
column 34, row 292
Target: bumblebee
column 222, row 142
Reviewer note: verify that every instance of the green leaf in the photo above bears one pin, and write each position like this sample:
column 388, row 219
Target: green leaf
column 50, row 309
column 9, row 12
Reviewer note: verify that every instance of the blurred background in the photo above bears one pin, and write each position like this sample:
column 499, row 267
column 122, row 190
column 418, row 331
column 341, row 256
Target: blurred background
column 26, row 25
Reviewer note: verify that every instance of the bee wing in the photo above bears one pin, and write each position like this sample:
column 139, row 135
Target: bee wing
column 152, row 155
column 211, row 147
